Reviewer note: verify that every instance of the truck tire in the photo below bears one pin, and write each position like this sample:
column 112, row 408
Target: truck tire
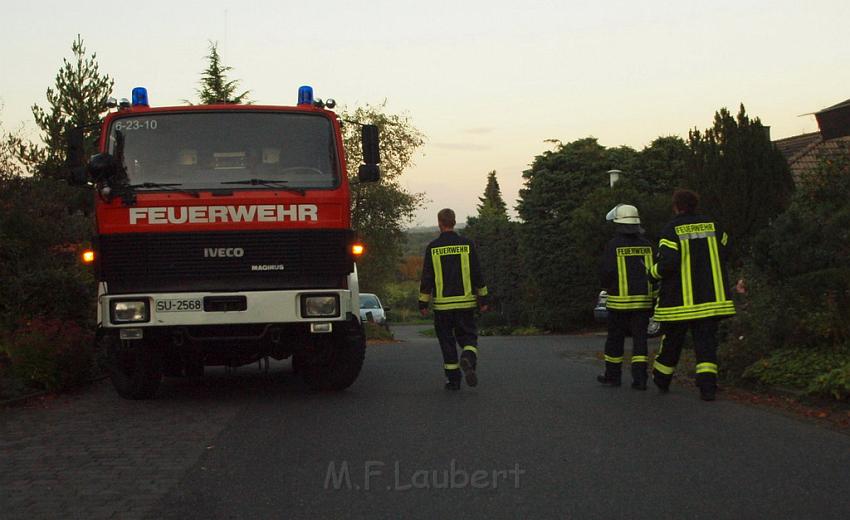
column 337, row 368
column 135, row 370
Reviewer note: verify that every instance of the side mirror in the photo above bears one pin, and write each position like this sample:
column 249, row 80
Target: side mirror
column 78, row 176
column 75, row 157
column 369, row 173
column 76, row 147
column 386, row 309
column 369, row 170
column 103, row 167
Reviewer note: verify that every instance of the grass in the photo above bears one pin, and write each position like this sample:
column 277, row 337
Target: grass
column 377, row 332
column 417, row 320
column 506, row 330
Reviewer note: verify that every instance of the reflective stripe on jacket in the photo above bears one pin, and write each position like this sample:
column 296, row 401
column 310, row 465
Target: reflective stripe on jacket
column 691, row 266
column 451, row 274
column 625, row 273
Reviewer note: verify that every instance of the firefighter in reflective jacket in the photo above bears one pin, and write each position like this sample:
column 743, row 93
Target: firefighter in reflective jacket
column 624, row 274
column 693, row 293
column 452, row 282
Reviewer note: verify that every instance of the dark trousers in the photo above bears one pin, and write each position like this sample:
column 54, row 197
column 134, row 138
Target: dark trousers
column 456, row 327
column 704, row 332
column 621, row 323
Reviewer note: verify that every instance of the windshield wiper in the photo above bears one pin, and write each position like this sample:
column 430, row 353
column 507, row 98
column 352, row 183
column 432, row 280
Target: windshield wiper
column 269, row 183
column 165, row 187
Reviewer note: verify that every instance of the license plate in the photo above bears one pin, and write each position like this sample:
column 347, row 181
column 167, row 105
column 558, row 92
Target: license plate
column 179, row 305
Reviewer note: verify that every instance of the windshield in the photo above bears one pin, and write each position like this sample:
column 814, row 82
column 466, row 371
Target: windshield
column 226, row 150
column 369, row 301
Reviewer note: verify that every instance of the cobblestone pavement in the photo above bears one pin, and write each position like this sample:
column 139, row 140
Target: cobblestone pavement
column 95, row 455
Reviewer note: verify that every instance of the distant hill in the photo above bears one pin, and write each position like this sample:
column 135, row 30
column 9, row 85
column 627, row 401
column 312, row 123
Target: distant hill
column 431, row 229
column 418, row 237
column 422, row 229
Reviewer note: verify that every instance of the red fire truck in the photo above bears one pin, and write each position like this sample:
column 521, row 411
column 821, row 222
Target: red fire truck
column 224, row 238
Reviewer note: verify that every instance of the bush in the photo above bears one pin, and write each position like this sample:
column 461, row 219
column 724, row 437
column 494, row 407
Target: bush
column 50, row 354
column 792, row 328
column 403, row 300
column 41, row 235
column 835, row 383
column 526, row 331
column 492, row 319
column 757, row 329
column 508, row 330
column 378, row 332
column 5, row 368
column 498, row 330
column 795, row 368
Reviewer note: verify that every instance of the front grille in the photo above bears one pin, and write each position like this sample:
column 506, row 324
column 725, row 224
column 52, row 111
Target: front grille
column 225, row 261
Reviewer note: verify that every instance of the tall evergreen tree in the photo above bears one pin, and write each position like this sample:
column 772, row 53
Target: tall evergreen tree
column 497, row 240
column 492, row 201
column 743, row 179
column 75, row 100
column 215, row 87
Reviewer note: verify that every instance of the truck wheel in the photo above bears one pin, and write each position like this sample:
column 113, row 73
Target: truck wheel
column 194, row 368
column 135, row 369
column 338, row 362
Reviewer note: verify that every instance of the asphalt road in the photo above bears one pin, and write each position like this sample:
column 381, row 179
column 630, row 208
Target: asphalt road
column 536, row 439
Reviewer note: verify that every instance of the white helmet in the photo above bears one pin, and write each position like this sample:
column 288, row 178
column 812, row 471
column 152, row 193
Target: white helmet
column 624, row 214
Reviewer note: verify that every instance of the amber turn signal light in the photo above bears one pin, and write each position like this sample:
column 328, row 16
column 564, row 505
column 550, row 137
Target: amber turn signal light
column 358, row 249
column 88, row 256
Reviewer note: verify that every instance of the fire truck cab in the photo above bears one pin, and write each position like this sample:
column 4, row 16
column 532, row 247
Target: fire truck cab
column 223, row 238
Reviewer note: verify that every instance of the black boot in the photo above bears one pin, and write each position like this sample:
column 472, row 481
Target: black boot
column 639, row 378
column 663, row 386
column 469, row 371
column 608, row 380
column 707, row 393
column 452, row 385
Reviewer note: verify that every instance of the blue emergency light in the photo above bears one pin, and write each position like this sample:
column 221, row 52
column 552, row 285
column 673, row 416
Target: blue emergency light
column 305, row 95
column 140, row 97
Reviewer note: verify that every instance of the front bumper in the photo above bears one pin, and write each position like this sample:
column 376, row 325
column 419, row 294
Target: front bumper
column 259, row 307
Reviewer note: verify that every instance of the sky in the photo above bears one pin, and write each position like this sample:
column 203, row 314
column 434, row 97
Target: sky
column 487, row 82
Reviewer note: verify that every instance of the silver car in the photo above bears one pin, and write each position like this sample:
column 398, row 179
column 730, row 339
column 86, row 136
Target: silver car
column 370, row 304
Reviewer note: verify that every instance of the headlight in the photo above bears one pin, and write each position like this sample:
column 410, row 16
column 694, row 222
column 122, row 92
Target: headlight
column 320, row 306
column 129, row 311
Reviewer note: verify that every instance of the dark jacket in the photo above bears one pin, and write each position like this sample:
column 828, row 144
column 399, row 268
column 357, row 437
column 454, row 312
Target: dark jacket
column 691, row 264
column 624, row 272
column 451, row 274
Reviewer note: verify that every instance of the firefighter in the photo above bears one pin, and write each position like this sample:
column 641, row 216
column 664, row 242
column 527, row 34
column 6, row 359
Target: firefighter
column 624, row 274
column 452, row 282
column 693, row 294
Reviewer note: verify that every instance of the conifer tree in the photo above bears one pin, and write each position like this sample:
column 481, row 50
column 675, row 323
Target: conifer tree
column 215, row 87
column 498, row 248
column 743, row 180
column 76, row 100
column 492, row 202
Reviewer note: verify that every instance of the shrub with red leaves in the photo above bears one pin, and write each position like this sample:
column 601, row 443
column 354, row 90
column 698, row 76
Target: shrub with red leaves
column 50, row 354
